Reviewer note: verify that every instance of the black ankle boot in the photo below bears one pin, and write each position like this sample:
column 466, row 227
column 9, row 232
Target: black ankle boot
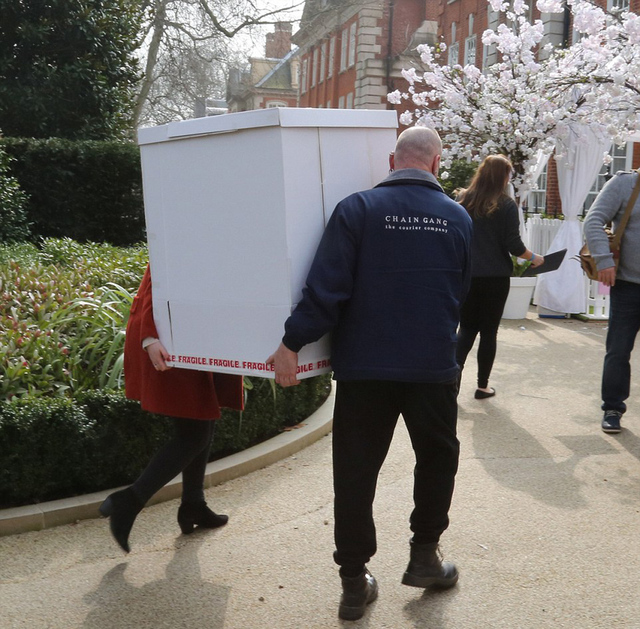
column 191, row 514
column 426, row 568
column 357, row 593
column 122, row 507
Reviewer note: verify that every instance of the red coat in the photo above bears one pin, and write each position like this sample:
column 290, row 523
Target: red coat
column 176, row 392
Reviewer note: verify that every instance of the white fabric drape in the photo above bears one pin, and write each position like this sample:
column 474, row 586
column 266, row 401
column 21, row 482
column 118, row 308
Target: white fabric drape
column 541, row 161
column 578, row 164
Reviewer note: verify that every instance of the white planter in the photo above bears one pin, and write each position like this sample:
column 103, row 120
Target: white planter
column 520, row 295
column 545, row 313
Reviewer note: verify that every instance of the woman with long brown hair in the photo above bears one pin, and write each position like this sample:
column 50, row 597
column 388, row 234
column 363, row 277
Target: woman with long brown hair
column 496, row 235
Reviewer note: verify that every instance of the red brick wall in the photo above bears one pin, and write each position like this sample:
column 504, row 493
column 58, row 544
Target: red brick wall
column 408, row 15
column 635, row 160
column 340, row 83
column 554, row 205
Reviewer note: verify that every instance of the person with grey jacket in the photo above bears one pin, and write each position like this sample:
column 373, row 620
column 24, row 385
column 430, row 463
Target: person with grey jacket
column 624, row 313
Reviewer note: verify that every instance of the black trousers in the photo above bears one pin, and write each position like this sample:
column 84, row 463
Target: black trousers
column 365, row 416
column 481, row 313
column 186, row 452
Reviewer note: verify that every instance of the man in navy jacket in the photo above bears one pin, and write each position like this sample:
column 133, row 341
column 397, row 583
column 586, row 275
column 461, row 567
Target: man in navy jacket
column 388, row 279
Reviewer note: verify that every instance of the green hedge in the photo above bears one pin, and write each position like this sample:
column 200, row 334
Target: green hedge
column 56, row 448
column 86, row 190
column 14, row 226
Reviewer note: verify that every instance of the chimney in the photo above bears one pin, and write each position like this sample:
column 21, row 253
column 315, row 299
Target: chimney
column 279, row 42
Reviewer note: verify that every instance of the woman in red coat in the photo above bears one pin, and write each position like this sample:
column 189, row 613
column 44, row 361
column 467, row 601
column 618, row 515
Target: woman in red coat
column 193, row 399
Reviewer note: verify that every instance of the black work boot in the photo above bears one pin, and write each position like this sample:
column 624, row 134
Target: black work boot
column 357, row 593
column 427, row 569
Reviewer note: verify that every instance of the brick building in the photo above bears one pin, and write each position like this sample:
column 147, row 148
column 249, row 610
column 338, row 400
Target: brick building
column 272, row 80
column 351, row 54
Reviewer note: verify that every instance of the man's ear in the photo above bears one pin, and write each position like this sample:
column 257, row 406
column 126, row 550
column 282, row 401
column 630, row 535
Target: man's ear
column 392, row 161
column 435, row 168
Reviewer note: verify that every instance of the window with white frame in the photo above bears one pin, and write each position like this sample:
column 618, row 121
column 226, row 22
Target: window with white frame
column 328, row 104
column 350, row 100
column 276, row 103
column 314, row 68
column 323, row 59
column 341, row 102
column 344, row 41
column 485, row 57
column 453, row 46
column 453, row 53
column 304, row 71
column 470, row 43
column 537, row 199
column 489, row 55
column 621, row 5
column 470, row 50
column 622, row 156
column 332, row 57
column 352, row 44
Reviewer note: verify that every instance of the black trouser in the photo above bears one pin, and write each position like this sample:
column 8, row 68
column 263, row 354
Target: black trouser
column 481, row 312
column 365, row 416
column 186, row 452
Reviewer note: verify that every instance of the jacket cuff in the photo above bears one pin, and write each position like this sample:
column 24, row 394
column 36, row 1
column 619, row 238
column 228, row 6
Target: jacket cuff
column 291, row 344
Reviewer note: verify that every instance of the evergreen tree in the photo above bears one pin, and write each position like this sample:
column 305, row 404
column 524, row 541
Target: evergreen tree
column 68, row 67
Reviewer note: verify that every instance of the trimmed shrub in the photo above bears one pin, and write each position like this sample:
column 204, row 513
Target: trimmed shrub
column 56, row 448
column 86, row 190
column 124, row 437
column 45, row 449
column 14, row 226
column 266, row 412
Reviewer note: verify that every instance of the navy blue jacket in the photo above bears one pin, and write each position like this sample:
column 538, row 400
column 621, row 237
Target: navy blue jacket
column 388, row 279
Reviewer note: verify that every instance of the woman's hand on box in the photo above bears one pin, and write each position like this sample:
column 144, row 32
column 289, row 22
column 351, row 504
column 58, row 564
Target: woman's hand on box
column 158, row 356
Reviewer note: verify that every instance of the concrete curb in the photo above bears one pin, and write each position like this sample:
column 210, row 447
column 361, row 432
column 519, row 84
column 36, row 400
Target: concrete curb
column 57, row 512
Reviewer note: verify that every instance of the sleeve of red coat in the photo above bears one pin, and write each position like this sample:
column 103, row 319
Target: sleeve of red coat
column 147, row 324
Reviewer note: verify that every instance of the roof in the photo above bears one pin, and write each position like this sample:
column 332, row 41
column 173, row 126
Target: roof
column 279, row 77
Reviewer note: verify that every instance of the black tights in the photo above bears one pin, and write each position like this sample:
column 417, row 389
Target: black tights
column 481, row 313
column 186, row 452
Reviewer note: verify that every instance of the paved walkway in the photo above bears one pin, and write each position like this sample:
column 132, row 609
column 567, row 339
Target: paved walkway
column 545, row 525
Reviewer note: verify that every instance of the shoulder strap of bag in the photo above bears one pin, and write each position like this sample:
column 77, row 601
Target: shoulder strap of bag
column 617, row 237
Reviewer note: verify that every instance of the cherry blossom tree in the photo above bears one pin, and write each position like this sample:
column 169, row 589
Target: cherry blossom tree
column 536, row 95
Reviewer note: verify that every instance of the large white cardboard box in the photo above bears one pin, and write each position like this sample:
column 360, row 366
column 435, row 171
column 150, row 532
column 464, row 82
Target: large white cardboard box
column 235, row 207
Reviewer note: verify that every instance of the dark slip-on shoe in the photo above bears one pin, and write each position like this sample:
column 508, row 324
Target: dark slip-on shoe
column 482, row 395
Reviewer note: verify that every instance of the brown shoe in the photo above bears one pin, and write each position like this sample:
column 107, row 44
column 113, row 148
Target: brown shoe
column 426, row 568
column 357, row 593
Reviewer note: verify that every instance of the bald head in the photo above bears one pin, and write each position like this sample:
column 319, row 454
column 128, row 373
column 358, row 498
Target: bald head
column 418, row 147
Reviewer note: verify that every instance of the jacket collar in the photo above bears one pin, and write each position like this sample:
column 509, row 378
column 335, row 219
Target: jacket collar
column 411, row 175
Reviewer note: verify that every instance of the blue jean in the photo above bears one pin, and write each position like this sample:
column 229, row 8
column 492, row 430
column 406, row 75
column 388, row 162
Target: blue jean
column 624, row 323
